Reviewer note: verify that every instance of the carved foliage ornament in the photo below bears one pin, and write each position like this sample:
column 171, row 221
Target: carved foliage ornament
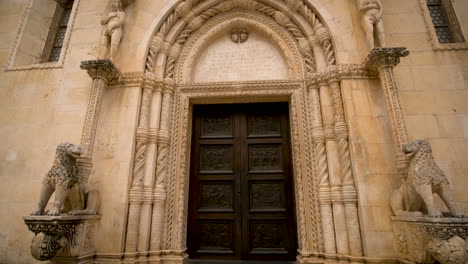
column 385, row 57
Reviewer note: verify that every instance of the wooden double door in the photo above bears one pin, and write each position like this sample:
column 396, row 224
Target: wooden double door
column 241, row 203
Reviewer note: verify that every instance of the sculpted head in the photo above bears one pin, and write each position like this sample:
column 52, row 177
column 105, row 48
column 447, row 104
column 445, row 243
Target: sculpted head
column 413, row 147
column 69, row 149
column 116, row 5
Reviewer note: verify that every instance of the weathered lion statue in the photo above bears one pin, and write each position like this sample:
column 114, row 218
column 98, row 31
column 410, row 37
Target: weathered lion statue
column 70, row 193
column 414, row 197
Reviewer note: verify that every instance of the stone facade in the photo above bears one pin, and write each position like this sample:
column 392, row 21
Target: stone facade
column 350, row 114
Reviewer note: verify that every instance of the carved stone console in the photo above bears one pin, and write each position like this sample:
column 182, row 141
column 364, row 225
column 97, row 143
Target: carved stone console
column 426, row 239
column 63, row 239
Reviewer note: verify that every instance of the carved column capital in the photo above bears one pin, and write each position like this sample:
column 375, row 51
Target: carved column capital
column 169, row 86
column 149, row 81
column 101, row 69
column 385, row 57
column 332, row 74
column 312, row 81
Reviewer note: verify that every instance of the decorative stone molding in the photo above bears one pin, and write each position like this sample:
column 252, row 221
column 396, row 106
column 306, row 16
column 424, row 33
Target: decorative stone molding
column 67, row 239
column 424, row 239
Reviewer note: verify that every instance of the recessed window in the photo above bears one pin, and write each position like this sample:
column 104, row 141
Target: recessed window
column 56, row 36
column 445, row 21
column 43, row 35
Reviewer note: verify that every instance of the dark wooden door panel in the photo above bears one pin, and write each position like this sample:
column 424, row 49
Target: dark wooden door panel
column 241, row 202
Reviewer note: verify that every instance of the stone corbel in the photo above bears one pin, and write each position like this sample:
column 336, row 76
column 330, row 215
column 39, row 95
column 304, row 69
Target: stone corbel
column 63, row 239
column 423, row 240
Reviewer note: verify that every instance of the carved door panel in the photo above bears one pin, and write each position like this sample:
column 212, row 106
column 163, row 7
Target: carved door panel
column 241, row 202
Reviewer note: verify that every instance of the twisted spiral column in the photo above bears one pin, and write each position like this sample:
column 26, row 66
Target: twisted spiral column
column 162, row 170
column 324, row 194
column 349, row 194
column 137, row 191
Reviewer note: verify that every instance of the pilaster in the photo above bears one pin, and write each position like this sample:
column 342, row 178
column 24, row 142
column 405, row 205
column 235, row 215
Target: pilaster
column 103, row 73
column 384, row 60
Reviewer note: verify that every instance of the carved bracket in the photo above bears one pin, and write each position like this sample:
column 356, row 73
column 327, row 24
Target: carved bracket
column 102, row 69
column 424, row 239
column 67, row 238
column 385, row 57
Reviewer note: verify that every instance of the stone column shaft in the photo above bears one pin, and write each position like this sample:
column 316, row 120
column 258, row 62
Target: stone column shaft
column 102, row 72
column 324, row 191
column 162, row 168
column 348, row 190
column 334, row 170
column 149, row 170
column 385, row 59
column 137, row 190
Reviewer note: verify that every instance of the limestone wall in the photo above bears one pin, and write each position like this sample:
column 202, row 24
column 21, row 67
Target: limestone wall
column 39, row 108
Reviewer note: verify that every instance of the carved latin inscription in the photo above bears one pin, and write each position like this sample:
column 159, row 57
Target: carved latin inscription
column 256, row 59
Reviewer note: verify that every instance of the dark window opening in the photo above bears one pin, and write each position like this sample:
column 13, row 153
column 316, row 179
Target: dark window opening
column 56, row 36
column 445, row 21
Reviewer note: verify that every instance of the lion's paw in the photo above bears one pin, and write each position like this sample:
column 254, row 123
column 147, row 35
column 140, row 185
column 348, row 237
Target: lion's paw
column 38, row 212
column 458, row 213
column 414, row 214
column 435, row 213
column 54, row 212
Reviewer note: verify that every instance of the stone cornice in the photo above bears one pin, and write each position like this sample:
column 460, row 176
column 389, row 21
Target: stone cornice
column 333, row 73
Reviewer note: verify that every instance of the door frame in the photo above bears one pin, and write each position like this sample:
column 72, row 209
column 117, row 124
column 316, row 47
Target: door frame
column 292, row 92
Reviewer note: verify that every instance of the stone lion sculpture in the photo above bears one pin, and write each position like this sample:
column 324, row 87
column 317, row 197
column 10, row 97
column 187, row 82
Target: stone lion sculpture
column 71, row 194
column 424, row 178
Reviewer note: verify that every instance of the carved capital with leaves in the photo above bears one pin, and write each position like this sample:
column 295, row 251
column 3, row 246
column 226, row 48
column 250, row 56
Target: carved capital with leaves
column 385, row 57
